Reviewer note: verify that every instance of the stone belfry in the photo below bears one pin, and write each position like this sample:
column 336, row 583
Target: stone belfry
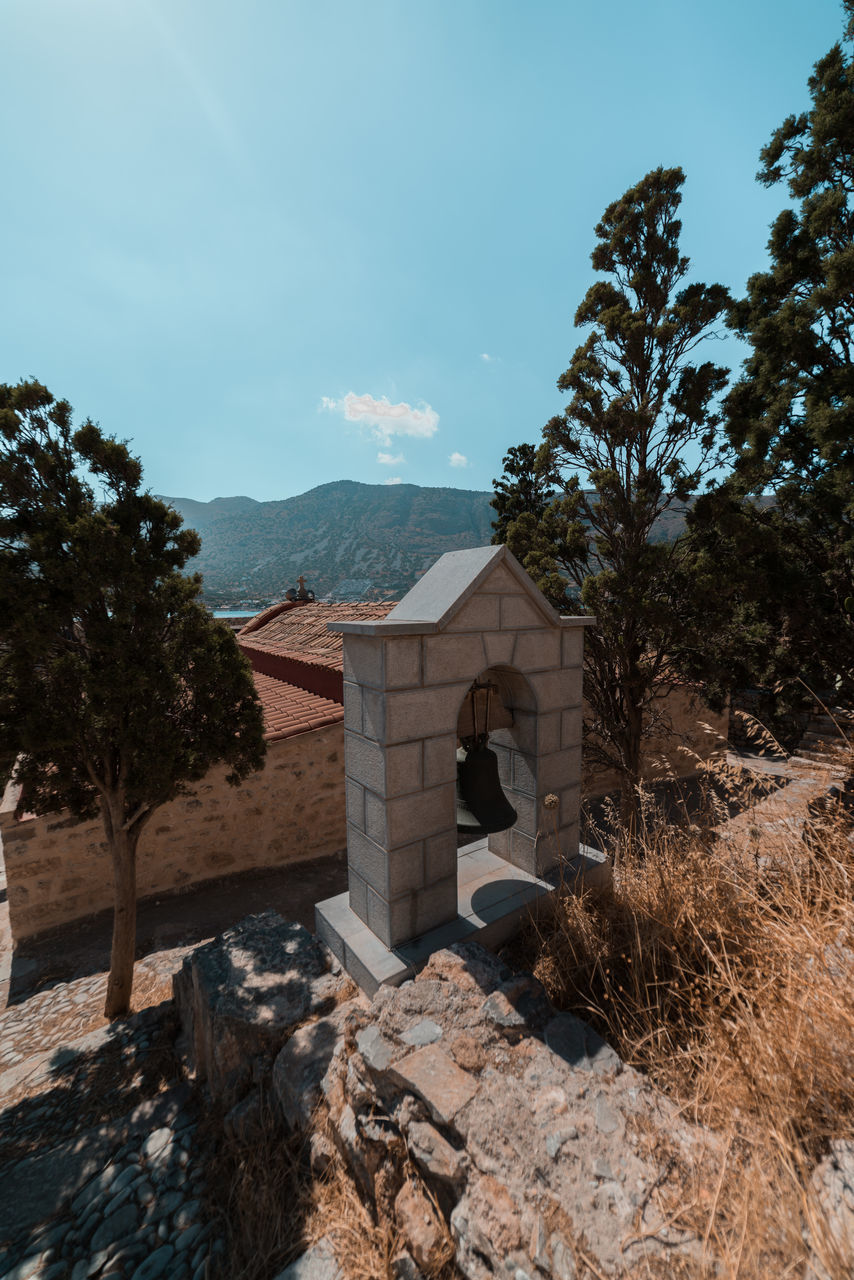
column 474, row 617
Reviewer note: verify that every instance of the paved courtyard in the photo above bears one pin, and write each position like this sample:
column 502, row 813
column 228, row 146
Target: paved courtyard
column 99, row 1135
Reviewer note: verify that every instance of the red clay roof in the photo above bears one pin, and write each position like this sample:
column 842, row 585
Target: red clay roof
column 299, row 630
column 289, row 710
column 298, row 664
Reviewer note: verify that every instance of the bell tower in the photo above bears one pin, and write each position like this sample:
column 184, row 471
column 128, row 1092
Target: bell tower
column 473, row 660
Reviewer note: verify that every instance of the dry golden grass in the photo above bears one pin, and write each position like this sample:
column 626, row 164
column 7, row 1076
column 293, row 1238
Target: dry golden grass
column 273, row 1207
column 724, row 971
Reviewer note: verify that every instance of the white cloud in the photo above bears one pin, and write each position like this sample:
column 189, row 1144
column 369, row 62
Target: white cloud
column 383, row 419
column 458, row 460
column 390, row 459
column 394, row 480
column 486, row 358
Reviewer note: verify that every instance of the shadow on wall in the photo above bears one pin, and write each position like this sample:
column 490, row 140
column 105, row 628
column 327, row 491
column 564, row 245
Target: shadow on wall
column 82, row 948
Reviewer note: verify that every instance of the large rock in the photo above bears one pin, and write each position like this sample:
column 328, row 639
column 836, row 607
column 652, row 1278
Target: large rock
column 240, row 996
column 301, row 1069
column 421, row 1227
column 521, row 1124
column 318, row 1263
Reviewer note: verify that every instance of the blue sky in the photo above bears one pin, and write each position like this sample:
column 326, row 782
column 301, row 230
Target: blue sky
column 276, row 243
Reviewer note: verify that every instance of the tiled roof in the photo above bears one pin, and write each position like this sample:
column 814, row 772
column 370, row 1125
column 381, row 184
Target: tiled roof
column 298, row 664
column 299, row 630
column 289, row 710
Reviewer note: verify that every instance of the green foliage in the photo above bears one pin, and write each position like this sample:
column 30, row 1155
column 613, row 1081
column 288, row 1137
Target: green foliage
column 117, row 688
column 639, row 400
column 762, row 615
column 522, row 490
column 790, row 416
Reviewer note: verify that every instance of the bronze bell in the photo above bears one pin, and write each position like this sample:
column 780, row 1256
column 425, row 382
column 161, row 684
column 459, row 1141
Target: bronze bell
column 481, row 803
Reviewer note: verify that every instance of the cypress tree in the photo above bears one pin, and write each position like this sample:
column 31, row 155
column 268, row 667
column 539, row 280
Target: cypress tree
column 118, row 690
column 621, row 458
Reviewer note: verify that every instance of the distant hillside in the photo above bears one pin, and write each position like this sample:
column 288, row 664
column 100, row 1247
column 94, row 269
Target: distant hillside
column 351, row 541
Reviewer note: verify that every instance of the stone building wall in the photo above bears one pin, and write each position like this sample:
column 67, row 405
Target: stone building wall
column 59, row 870
column 680, row 752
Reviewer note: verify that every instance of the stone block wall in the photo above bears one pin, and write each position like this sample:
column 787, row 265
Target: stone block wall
column 403, row 693
column 680, row 752
column 59, row 869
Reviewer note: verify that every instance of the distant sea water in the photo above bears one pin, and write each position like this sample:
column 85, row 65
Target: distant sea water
column 235, row 613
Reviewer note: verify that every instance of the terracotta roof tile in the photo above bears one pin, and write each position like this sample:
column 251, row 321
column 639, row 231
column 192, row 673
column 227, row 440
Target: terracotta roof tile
column 298, row 631
column 297, row 664
column 289, row 710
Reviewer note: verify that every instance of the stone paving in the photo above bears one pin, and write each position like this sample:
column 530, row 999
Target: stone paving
column 103, row 1166
column 140, row 1215
column 99, row 1140
column 784, row 811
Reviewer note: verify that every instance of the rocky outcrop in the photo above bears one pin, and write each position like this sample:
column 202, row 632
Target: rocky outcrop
column 490, row 1128
column 241, row 995
column 487, row 1128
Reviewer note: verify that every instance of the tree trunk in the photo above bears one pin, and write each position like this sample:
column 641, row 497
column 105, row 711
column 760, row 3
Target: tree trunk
column 120, row 982
column 631, row 752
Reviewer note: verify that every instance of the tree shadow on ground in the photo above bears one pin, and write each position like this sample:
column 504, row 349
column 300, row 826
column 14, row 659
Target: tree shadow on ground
column 702, row 801
column 114, row 1085
column 133, row 1059
column 182, row 919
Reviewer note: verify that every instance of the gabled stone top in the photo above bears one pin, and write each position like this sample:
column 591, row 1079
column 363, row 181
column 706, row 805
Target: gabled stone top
column 454, row 577
column 448, row 584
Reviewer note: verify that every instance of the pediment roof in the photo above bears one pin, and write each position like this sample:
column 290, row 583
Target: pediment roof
column 455, row 577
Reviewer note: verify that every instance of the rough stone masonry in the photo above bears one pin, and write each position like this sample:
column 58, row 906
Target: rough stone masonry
column 472, row 1115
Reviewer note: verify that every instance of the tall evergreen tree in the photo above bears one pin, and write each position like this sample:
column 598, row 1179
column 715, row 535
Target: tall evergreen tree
column 117, row 689
column 524, row 494
column 639, row 403
column 790, row 416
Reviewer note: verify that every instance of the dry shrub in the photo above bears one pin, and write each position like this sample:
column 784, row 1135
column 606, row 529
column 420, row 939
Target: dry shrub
column 272, row 1207
column 723, row 969
column 363, row 1250
column 256, row 1192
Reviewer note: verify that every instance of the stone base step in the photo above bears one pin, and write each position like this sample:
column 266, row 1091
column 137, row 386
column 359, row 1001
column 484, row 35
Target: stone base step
column 805, row 761
column 819, row 756
column 832, row 724
column 493, row 898
column 830, row 743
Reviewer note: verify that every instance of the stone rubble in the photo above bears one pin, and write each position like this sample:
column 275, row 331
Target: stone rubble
column 489, row 1129
column 486, row 1126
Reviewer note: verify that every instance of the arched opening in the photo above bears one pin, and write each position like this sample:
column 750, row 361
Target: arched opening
column 502, row 703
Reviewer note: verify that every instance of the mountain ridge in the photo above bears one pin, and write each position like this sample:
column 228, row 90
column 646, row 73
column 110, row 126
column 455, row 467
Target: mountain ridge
column 350, row 540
